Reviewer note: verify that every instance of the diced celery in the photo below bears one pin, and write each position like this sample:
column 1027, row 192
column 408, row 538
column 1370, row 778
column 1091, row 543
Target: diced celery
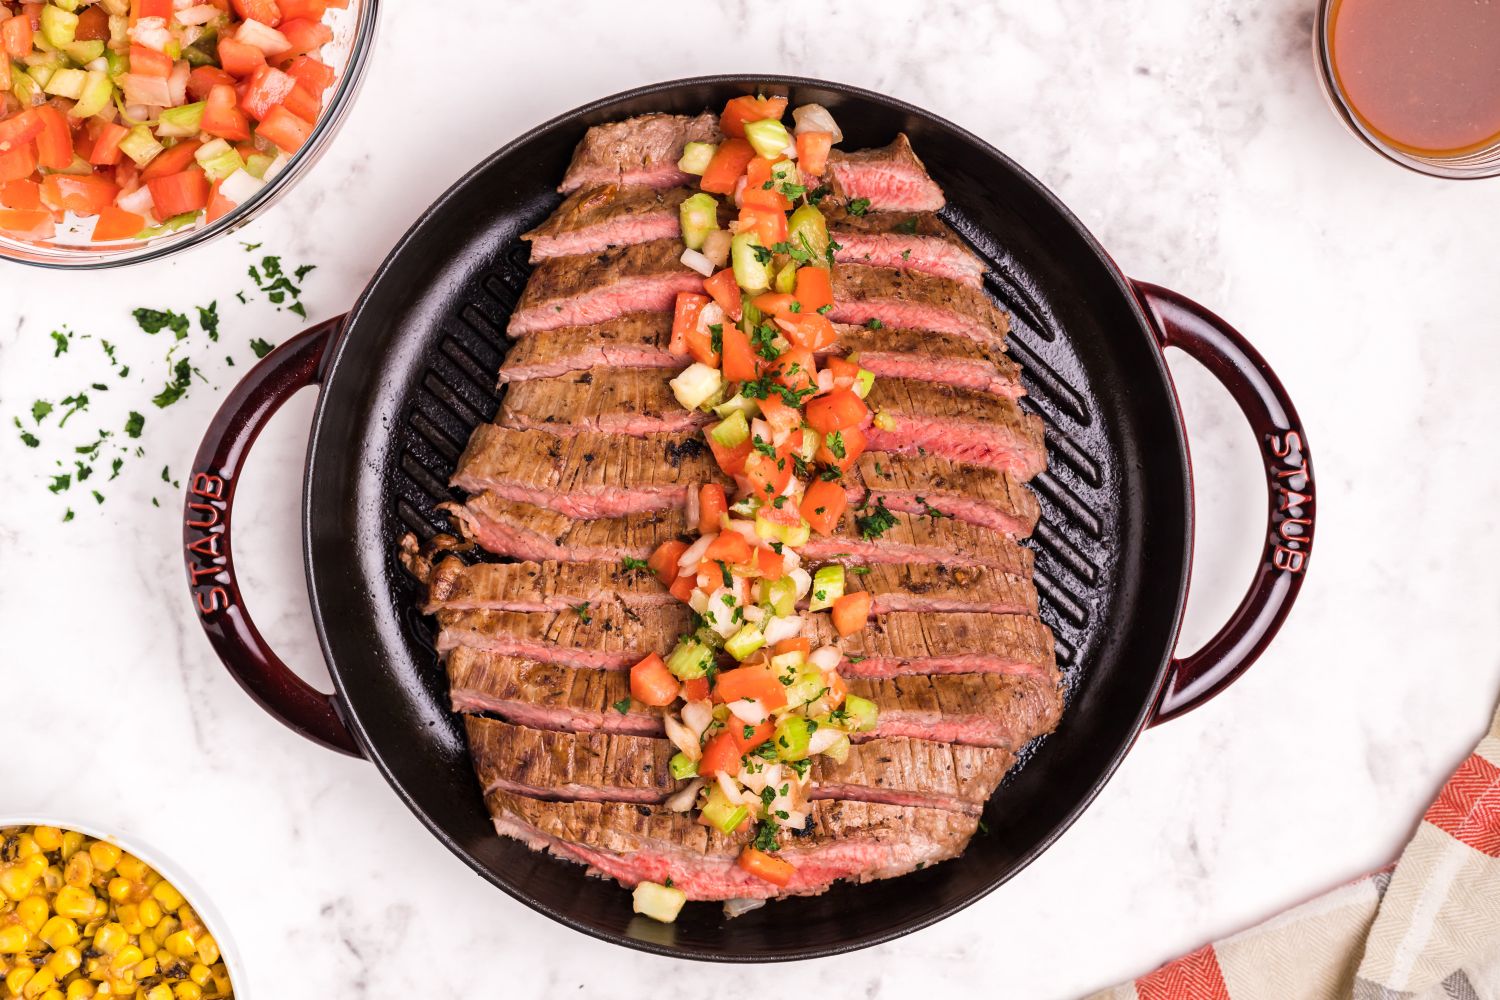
column 838, row 750
column 173, row 224
column 205, row 49
column 807, row 686
column 696, row 385
column 115, row 8
column 860, row 713
column 745, row 506
column 750, row 272
column 780, row 594
column 808, row 230
column 739, row 403
column 788, row 663
column 140, row 145
column 884, row 421
column 115, row 63
column 808, row 448
column 744, row 642
column 864, row 381
column 690, row 660
column 695, row 157
column 659, row 902
column 58, row 26
column 699, row 216
column 768, row 136
column 119, row 28
column 784, row 173
column 219, row 159
column 22, row 84
column 79, row 167
column 85, row 52
column 827, row 587
column 791, row 737
column 41, row 74
column 786, row 278
column 256, row 164
column 67, row 83
column 96, row 95
column 795, row 535
column 722, row 814
column 683, row 767
column 732, row 431
column 180, row 121
column 68, row 5
column 750, row 316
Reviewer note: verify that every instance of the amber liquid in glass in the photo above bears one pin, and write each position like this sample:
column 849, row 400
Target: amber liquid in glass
column 1423, row 75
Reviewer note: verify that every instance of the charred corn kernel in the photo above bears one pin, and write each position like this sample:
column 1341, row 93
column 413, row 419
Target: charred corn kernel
column 38, row 984
column 59, row 932
column 74, row 902
column 165, row 928
column 188, row 991
column 110, row 939
column 80, row 990
column 208, row 949
column 120, row 888
column 129, row 915
column 131, row 867
column 64, row 961
column 79, row 871
column 150, row 911
column 201, row 974
column 167, row 895
column 161, row 991
column 221, row 978
column 14, row 938
column 16, row 979
column 126, row 958
column 72, row 843
column 48, row 838
column 104, row 855
column 181, row 944
column 33, row 911
column 26, row 846
column 52, row 878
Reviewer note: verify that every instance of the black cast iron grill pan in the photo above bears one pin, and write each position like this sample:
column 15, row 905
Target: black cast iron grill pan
column 410, row 371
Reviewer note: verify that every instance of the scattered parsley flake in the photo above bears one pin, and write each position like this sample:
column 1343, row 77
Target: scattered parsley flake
column 583, row 612
column 40, row 409
column 176, row 387
column 630, row 564
column 208, row 319
column 156, row 320
column 261, row 347
column 859, row 206
column 873, row 525
column 61, row 340
column 875, row 324
column 134, row 424
column 623, row 705
column 907, row 226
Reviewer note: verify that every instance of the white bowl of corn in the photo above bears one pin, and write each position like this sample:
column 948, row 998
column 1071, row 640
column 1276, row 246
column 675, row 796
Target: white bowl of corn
column 87, row 914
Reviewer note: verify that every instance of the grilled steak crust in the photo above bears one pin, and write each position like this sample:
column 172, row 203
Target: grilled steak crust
column 540, row 586
column 939, row 487
column 636, row 340
column 634, row 401
column 937, row 587
column 571, row 291
column 621, row 767
column 586, row 475
column 960, row 424
column 891, row 178
column 909, row 300
column 989, row 710
column 597, row 218
column 641, row 151
column 920, row 242
column 859, row 841
column 913, row 538
column 607, row 637
column 905, row 642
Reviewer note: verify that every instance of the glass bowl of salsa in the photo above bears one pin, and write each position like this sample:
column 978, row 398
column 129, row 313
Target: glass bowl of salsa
column 1417, row 80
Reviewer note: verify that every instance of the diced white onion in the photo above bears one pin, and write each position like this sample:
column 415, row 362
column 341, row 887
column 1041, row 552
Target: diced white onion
column 138, row 201
column 739, row 907
column 760, row 429
column 263, row 37
column 716, row 247
column 753, row 777
column 825, row 380
column 739, row 190
column 696, row 715
column 796, row 819
column 748, row 710
column 177, row 82
column 240, row 186
column 95, row 65
column 732, row 790
column 153, row 33
column 803, row 580
column 695, row 260
column 724, row 622
column 685, row 739
column 201, row 14
column 816, row 118
column 743, row 528
column 682, row 801
column 825, row 737
column 710, row 315
column 147, row 91
column 694, row 506
column 790, row 152
column 698, row 600
column 278, row 164
column 694, row 554
column 755, row 614
column 783, row 628
column 825, row 657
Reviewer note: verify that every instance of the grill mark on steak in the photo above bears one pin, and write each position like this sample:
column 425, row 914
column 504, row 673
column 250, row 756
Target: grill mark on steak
column 641, row 151
column 604, row 637
column 892, row 178
column 909, row 300
column 555, row 765
column 905, row 642
column 990, row 710
column 913, row 242
column 633, row 401
column 571, row 291
column 933, row 357
column 587, row 474
column 597, row 218
column 859, row 841
column 924, row 484
column 960, row 424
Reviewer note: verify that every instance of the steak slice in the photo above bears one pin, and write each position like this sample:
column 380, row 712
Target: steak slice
column 523, row 531
column 906, row 586
column 619, row 767
column 933, row 357
column 906, row 299
column 637, row 340
column 597, row 218
column 605, row 636
column 940, row 642
column 891, row 178
column 960, row 424
column 989, row 710
column 935, row 487
column 540, row 586
column 641, row 151
column 586, row 475
column 572, row 291
column 920, row 242
column 632, row 401
column 858, row 841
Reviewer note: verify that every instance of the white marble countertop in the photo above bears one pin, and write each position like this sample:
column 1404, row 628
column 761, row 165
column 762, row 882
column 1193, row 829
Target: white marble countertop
column 1192, row 139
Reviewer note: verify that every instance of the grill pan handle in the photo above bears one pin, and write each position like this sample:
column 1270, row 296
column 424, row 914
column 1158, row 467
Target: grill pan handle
column 206, row 532
column 1182, row 323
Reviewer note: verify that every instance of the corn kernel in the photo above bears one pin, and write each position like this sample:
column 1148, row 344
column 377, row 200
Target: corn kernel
column 79, row 871
column 72, row 843
column 81, row 990
column 64, row 961
column 52, row 878
column 126, row 958
column 161, row 991
column 146, row 968
column 120, row 889
column 149, row 945
column 181, row 944
column 26, row 846
column 74, row 902
column 59, row 932
column 151, row 913
column 208, row 949
column 14, row 938
column 188, row 991
column 129, row 915
column 201, row 974
column 16, row 979
column 167, row 895
column 221, row 978
column 48, row 838
column 53, row 994
column 15, row 882
column 132, row 867
column 33, row 911
column 110, row 939
column 39, row 983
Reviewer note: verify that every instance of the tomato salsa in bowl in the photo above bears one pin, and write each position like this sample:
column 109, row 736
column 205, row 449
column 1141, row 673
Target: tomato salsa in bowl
column 131, row 129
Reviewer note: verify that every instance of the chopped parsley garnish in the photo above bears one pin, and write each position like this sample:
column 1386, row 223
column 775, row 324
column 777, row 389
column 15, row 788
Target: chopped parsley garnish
column 40, row 409
column 765, row 835
column 716, row 337
column 728, row 577
column 906, row 255
column 134, row 424
column 859, row 206
column 623, row 705
column 835, row 443
column 928, row 510
column 762, row 254
column 182, row 377
column 763, row 446
column 818, row 193
column 630, row 564
column 583, row 612
column 763, row 338
column 907, row 225
column 875, row 324
column 800, row 766
column 877, row 523
column 861, row 570
column 825, row 310
column 208, row 319
column 29, row 439
column 157, row 320
column 261, row 347
column 60, row 341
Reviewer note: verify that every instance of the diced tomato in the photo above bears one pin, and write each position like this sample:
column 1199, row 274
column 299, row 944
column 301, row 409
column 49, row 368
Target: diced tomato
column 685, row 318
column 286, row 130
column 844, row 372
column 836, row 411
column 264, row 11
column 728, row 163
column 700, row 344
column 16, row 36
column 768, row 475
column 21, row 128
column 796, row 369
column 768, row 562
column 303, row 103
column 312, row 73
column 106, row 149
column 663, row 561
column 218, row 205
column 312, row 9
column 695, row 689
column 203, row 79
column 19, row 162
column 823, row 506
column 808, row 329
column 712, row 505
column 851, row 440
column 851, row 612
column 796, row 644
column 305, row 35
column 747, row 737
column 757, row 682
column 812, row 152
column 749, row 109
column 682, row 588
column 766, row 866
column 222, row 115
column 117, row 224
column 814, row 288
column 721, row 753
column 268, row 87
column 781, row 418
column 85, row 194
column 21, row 193
column 769, row 224
column 774, row 303
column 149, row 8
column 837, row 689
column 651, row 683
column 171, row 161
column 238, row 58
column 730, row 547
column 731, row 460
column 758, row 191
column 54, row 143
column 726, row 293
column 93, row 24
column 176, row 194
column 149, row 62
column 28, row 224
column 737, row 357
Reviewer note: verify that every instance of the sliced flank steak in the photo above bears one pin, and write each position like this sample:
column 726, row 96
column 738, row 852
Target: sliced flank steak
column 593, row 219
column 858, row 841
column 890, row 179
column 906, row 642
column 920, row 242
column 932, row 357
column 572, row 291
column 976, row 428
column 559, row 766
column 636, row 340
column 586, row 475
column 603, row 636
column 907, row 300
column 936, row 587
column 936, row 487
column 876, row 534
column 631, row 401
column 638, row 152
column 988, row 710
